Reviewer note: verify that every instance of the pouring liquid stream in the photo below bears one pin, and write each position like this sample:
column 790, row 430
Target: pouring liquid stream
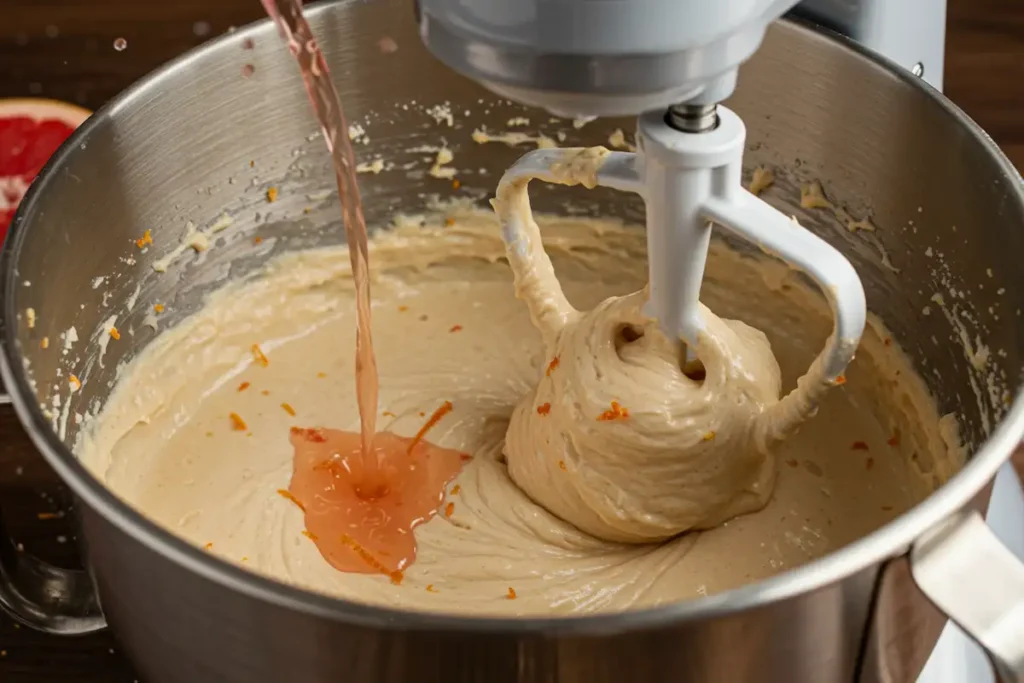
column 361, row 494
column 327, row 108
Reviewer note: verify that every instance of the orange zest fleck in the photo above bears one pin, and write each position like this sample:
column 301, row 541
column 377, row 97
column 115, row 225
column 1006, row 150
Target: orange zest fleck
column 75, row 383
column 551, row 366
column 869, row 463
column 310, row 434
column 403, row 309
column 894, row 440
column 310, row 535
column 456, row 328
column 859, row 446
column 147, row 238
column 449, row 221
column 287, row 495
column 49, row 515
column 237, row 423
column 887, row 341
column 158, row 308
column 288, row 409
column 388, row 413
column 840, row 380
column 265, row 392
column 257, row 240
column 243, row 386
column 44, row 343
column 114, row 333
column 449, row 509
column 562, row 465
column 367, row 557
column 456, row 489
column 208, row 546
column 544, row 409
column 616, row 412
column 445, row 408
column 259, row 356
column 710, row 436
column 271, row 194
column 456, row 184
column 321, row 375
column 511, row 593
column 430, row 588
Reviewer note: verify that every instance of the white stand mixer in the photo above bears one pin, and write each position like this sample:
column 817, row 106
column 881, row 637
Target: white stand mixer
column 671, row 62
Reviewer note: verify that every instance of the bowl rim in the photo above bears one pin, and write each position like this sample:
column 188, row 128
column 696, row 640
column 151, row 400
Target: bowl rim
column 889, row 541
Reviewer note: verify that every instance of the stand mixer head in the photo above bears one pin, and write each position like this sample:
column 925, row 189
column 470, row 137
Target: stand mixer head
column 669, row 62
column 580, row 58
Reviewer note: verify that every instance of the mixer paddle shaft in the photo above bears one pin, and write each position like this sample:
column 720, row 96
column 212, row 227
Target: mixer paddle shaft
column 680, row 172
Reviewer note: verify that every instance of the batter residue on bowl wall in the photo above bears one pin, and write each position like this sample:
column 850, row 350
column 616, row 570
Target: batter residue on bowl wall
column 196, row 434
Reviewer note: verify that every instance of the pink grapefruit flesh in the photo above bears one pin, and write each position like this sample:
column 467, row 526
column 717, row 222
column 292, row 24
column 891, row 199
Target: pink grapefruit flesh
column 30, row 131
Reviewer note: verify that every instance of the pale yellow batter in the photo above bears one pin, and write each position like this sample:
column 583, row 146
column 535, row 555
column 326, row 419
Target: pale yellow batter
column 447, row 326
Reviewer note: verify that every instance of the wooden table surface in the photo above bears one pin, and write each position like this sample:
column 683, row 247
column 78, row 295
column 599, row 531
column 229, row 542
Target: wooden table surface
column 63, row 49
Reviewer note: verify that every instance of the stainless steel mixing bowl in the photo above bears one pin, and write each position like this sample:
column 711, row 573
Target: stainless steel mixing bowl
column 198, row 139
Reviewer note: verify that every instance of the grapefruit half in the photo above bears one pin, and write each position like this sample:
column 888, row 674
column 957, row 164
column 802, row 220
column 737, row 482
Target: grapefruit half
column 30, row 131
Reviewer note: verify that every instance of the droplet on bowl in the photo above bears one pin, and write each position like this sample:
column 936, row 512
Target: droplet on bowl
column 120, row 44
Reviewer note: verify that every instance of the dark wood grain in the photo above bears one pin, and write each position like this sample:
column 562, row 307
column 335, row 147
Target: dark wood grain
column 985, row 68
column 64, row 49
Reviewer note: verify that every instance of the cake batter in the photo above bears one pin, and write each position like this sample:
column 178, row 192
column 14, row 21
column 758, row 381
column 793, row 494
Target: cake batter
column 196, row 434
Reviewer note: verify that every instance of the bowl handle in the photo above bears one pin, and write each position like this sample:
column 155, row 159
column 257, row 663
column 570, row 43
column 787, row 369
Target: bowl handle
column 967, row 572
column 44, row 597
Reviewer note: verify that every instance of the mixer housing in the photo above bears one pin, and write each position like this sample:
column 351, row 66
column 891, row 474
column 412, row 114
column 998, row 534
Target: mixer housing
column 581, row 58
